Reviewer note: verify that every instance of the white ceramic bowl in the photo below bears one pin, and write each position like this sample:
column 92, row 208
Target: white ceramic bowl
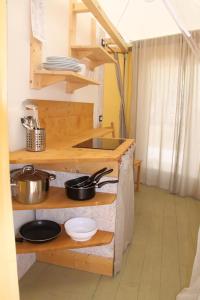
column 81, row 229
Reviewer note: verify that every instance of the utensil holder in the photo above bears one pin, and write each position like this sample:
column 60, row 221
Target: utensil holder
column 35, row 139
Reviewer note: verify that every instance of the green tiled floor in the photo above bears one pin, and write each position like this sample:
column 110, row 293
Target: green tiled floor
column 156, row 266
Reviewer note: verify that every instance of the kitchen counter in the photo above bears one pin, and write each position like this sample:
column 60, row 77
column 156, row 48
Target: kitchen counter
column 115, row 217
column 63, row 152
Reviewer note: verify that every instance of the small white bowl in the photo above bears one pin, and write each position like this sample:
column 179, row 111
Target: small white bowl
column 81, row 229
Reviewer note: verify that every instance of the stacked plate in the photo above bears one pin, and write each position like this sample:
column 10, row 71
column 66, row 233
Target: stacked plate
column 62, row 63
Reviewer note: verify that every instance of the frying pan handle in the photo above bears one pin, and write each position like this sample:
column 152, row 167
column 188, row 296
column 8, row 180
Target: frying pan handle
column 19, row 240
column 99, row 185
column 91, row 179
column 93, row 176
column 52, row 176
column 97, row 178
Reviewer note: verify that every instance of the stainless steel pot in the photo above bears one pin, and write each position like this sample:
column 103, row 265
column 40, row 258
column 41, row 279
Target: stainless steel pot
column 30, row 185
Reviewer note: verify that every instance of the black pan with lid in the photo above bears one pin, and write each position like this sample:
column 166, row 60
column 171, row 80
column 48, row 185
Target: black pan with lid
column 85, row 192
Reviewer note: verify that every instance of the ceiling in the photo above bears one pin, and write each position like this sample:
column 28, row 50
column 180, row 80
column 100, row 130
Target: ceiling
column 143, row 19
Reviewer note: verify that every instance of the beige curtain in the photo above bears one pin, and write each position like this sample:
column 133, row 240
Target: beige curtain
column 193, row 291
column 166, row 113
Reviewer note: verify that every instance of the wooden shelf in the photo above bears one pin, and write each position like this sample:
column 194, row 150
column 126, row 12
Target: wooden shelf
column 43, row 78
column 63, row 241
column 58, row 199
column 96, row 54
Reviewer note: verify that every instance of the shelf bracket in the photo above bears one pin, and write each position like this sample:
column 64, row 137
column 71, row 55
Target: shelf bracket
column 35, row 61
column 71, row 87
column 79, row 7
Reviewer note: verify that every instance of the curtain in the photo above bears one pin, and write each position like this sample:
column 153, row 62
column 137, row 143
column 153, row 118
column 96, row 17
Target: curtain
column 193, row 291
column 165, row 113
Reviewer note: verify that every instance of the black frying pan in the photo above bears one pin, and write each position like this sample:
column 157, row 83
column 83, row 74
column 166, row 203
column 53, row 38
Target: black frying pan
column 39, row 231
column 83, row 193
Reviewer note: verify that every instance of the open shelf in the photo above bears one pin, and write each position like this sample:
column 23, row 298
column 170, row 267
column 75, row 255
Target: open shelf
column 96, row 54
column 63, row 241
column 43, row 78
column 58, row 199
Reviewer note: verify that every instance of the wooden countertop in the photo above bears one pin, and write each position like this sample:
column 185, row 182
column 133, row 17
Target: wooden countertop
column 63, row 151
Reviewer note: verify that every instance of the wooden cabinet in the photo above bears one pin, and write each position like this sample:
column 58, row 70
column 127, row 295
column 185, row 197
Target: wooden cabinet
column 60, row 153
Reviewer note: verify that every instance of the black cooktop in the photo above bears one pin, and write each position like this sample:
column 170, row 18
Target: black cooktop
column 100, row 143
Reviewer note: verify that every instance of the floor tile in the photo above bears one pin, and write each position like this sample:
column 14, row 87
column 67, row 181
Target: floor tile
column 156, row 265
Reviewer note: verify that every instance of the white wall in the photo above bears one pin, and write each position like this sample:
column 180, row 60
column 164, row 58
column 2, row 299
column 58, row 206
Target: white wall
column 148, row 19
column 18, row 62
column 56, row 30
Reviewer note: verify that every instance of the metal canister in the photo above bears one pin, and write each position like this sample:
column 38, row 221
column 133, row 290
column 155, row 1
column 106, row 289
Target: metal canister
column 30, row 185
column 35, row 139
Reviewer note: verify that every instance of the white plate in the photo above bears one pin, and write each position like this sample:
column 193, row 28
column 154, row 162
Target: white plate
column 61, row 63
column 62, row 69
column 62, row 59
column 61, row 66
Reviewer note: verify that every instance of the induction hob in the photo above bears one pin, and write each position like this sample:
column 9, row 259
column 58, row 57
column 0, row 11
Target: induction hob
column 100, row 143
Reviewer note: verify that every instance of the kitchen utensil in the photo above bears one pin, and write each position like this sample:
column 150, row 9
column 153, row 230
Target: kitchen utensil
column 81, row 229
column 39, row 231
column 32, row 122
column 29, row 185
column 35, row 113
column 36, row 140
column 25, row 123
column 83, row 193
column 85, row 181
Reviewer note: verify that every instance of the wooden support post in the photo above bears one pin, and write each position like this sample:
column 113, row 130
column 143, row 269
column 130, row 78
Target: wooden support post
column 93, row 32
column 72, row 25
column 102, row 18
column 8, row 274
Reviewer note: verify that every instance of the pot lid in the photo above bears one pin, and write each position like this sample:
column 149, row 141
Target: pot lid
column 28, row 173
